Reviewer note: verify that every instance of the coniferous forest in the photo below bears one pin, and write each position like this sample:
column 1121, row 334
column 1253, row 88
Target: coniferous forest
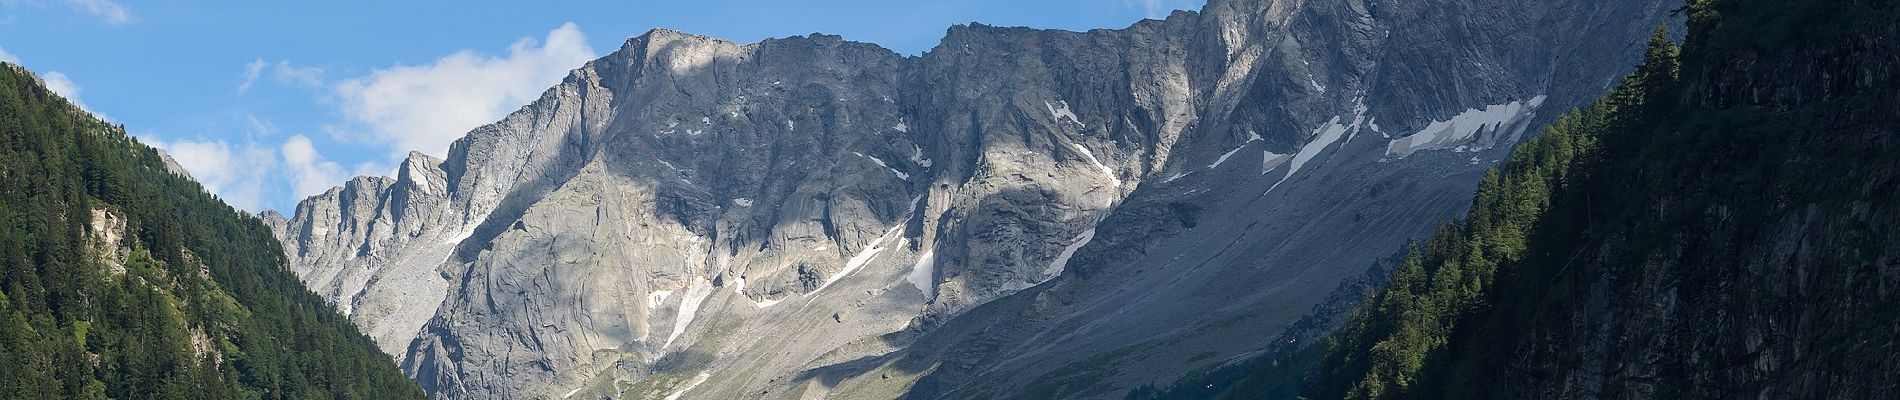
column 1718, row 225
column 119, row 279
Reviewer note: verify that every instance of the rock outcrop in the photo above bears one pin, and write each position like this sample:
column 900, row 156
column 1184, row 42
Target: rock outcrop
column 1017, row 211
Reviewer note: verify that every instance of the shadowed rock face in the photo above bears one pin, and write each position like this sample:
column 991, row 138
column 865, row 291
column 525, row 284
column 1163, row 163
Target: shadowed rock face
column 1016, row 212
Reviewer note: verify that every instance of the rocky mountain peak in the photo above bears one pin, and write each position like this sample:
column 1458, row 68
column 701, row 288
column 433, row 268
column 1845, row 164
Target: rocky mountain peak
column 769, row 216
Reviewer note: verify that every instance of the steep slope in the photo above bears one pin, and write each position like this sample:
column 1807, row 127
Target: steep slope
column 122, row 278
column 1194, row 272
column 1722, row 225
column 808, row 216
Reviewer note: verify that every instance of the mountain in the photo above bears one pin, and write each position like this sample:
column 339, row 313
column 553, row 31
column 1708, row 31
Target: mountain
column 1017, row 212
column 121, row 278
column 1720, row 225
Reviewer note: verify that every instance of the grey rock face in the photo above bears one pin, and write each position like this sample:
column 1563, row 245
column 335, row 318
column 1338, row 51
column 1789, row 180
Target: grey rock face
column 1017, row 211
column 171, row 165
column 372, row 245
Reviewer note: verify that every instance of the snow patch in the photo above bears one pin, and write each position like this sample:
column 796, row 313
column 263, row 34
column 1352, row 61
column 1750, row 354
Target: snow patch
column 863, row 257
column 1176, row 176
column 1323, row 138
column 571, row 393
column 880, row 163
column 1471, row 130
column 901, row 126
column 739, row 288
column 1062, row 260
column 923, row 272
column 658, row 296
column 1270, row 160
column 459, row 237
column 1223, row 157
column 1315, row 83
column 696, row 293
column 1060, row 109
column 742, row 202
column 917, row 156
column 1112, row 179
column 1358, row 118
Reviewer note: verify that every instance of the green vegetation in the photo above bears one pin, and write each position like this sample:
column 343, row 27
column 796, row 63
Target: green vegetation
column 192, row 302
column 1718, row 225
column 1448, row 276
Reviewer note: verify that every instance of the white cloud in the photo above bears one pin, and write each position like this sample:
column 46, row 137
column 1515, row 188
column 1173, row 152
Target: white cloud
column 251, row 71
column 260, row 127
column 58, row 83
column 373, row 168
column 238, row 174
column 309, row 172
column 426, row 107
column 114, row 13
column 284, row 72
column 288, row 74
column 403, row 107
column 1160, row 8
column 256, row 173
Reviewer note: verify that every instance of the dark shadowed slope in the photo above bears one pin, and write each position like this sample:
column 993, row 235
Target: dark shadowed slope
column 1722, row 225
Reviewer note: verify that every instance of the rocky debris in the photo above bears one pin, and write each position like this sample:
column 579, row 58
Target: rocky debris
column 107, row 231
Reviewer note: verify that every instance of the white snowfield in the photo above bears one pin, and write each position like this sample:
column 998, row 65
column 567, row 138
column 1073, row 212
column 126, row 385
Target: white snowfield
column 696, row 293
column 1323, row 138
column 923, row 272
column 1062, row 261
column 1270, row 160
column 1474, row 129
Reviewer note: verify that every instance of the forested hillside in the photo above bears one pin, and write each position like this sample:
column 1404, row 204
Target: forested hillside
column 121, row 280
column 1720, row 225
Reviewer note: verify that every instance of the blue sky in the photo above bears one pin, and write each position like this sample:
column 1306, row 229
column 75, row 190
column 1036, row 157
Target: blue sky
column 268, row 102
